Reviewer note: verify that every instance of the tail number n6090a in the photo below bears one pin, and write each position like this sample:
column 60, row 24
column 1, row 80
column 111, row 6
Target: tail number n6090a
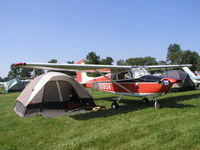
column 104, row 86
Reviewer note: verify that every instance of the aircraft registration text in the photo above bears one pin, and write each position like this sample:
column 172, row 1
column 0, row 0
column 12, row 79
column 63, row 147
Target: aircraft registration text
column 104, row 86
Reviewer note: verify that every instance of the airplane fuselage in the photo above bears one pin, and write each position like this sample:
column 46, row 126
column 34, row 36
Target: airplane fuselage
column 149, row 86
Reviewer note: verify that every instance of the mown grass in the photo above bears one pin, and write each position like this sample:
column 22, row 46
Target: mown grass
column 133, row 126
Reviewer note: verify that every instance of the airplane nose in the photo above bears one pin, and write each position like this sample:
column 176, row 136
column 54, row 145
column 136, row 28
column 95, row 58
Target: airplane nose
column 172, row 81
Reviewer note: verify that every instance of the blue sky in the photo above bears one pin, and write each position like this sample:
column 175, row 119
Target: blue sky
column 40, row 30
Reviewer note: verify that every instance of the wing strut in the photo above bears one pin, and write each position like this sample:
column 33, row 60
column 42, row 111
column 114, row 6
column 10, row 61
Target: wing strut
column 115, row 82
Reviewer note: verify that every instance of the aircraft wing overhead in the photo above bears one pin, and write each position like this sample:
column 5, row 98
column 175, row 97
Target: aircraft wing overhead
column 158, row 67
column 71, row 67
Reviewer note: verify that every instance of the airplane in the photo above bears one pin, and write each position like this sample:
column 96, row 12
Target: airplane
column 121, row 80
column 193, row 77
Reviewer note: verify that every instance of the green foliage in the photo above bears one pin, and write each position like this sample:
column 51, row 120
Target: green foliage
column 92, row 58
column 25, row 73
column 133, row 126
column 13, row 73
column 70, row 73
column 53, row 61
column 174, row 54
column 198, row 64
column 190, row 57
column 37, row 72
column 70, row 62
column 107, row 61
column 177, row 56
column 1, row 90
column 162, row 62
column 141, row 61
column 121, row 62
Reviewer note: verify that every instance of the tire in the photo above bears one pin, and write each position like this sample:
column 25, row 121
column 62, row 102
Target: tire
column 114, row 106
column 157, row 105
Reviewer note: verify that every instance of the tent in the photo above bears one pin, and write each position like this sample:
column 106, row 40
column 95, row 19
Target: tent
column 52, row 91
column 14, row 85
column 183, row 81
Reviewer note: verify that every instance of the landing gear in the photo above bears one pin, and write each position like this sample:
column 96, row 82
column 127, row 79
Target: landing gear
column 156, row 104
column 145, row 100
column 115, row 105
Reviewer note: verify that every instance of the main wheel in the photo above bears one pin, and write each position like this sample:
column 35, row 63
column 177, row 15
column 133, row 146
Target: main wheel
column 157, row 105
column 114, row 105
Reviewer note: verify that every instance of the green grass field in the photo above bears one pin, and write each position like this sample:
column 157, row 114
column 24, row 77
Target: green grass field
column 133, row 126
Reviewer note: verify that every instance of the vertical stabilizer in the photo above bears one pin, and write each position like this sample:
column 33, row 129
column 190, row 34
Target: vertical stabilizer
column 189, row 72
column 82, row 77
column 79, row 74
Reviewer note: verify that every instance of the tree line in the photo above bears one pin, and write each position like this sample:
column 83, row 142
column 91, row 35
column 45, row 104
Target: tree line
column 175, row 55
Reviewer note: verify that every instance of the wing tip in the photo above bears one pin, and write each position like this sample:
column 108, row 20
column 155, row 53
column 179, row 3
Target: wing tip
column 19, row 64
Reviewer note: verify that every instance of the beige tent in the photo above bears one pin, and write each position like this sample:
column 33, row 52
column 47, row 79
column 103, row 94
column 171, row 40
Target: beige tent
column 49, row 91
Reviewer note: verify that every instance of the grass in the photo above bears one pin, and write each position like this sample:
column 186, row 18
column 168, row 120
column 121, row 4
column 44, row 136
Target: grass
column 133, row 126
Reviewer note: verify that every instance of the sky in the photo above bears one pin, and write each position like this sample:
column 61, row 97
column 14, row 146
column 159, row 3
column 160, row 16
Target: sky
column 67, row 30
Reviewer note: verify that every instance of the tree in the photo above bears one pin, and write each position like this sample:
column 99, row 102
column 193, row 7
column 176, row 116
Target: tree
column 190, row 57
column 37, row 72
column 70, row 73
column 92, row 58
column 134, row 61
column 198, row 64
column 174, row 54
column 70, row 62
column 141, row 61
column 1, row 79
column 121, row 62
column 107, row 61
column 177, row 56
column 25, row 73
column 53, row 61
column 13, row 73
column 150, row 61
column 162, row 62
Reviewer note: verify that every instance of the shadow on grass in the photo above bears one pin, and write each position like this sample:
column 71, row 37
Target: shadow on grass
column 172, row 102
column 133, row 105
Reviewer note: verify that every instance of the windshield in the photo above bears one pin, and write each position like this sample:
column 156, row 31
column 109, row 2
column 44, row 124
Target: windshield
column 139, row 71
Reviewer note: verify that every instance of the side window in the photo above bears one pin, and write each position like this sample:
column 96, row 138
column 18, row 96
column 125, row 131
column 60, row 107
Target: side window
column 123, row 75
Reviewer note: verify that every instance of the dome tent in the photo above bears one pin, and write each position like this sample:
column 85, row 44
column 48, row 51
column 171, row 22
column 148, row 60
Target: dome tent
column 52, row 91
column 13, row 86
column 183, row 81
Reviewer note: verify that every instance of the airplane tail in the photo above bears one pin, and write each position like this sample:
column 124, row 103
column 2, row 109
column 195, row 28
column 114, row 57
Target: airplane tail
column 82, row 77
column 189, row 72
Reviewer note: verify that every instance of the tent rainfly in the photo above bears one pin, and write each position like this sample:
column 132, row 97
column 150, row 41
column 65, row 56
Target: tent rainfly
column 13, row 86
column 49, row 91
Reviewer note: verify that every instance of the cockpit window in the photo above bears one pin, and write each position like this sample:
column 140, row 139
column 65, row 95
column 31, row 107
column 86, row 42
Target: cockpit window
column 138, row 72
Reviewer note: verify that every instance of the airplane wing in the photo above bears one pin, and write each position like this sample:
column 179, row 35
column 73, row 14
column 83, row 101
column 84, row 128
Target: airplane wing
column 90, row 67
column 159, row 67
column 71, row 67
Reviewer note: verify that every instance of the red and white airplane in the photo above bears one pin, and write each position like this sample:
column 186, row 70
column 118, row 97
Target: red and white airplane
column 121, row 80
